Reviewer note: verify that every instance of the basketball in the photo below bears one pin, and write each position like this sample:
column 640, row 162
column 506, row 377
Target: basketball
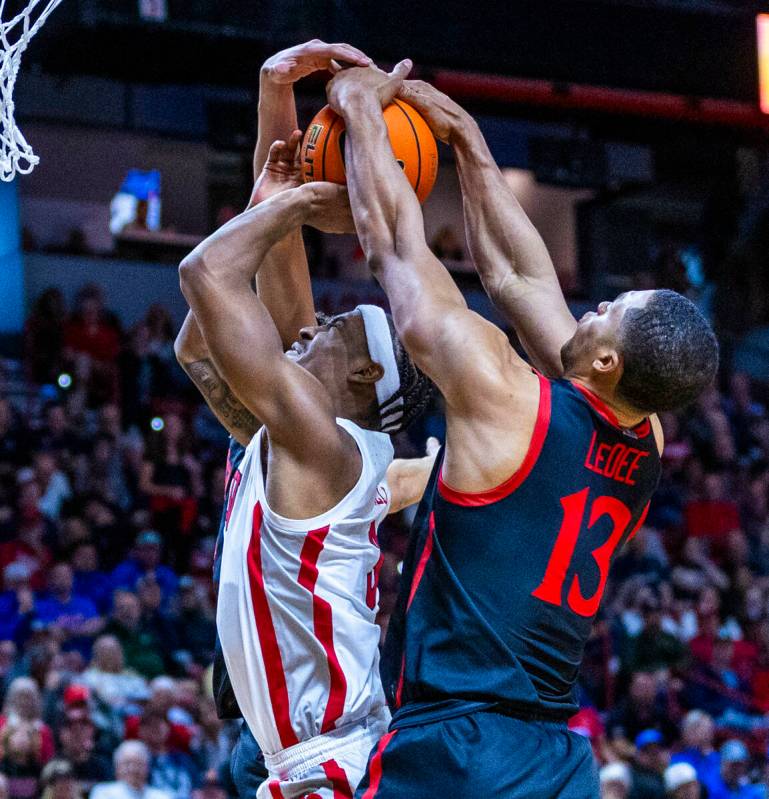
column 412, row 141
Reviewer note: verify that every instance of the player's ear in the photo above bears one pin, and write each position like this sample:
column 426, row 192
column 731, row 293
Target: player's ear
column 606, row 361
column 368, row 373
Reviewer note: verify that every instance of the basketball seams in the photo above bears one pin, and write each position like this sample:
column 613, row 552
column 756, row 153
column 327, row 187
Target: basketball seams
column 416, row 141
column 325, row 147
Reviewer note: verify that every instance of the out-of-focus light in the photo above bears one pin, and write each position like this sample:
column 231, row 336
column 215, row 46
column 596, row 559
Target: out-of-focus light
column 399, row 567
column 762, row 31
column 64, row 380
column 157, row 423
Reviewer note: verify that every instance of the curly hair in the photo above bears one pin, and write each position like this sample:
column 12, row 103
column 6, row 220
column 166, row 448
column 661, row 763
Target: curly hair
column 669, row 351
column 416, row 390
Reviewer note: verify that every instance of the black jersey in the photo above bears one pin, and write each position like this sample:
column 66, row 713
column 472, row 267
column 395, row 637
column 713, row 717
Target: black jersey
column 500, row 588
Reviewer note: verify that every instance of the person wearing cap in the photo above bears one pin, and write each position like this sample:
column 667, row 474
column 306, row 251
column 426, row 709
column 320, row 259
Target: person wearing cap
column 649, row 764
column 615, row 780
column 681, row 782
column 76, row 733
column 145, row 558
column 322, row 396
column 733, row 782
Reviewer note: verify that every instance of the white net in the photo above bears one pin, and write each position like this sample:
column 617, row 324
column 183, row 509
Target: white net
column 16, row 156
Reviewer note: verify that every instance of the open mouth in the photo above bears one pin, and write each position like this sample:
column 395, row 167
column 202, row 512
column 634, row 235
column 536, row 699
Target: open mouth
column 294, row 351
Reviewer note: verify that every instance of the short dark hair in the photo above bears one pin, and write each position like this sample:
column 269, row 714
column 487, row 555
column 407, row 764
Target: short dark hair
column 669, row 352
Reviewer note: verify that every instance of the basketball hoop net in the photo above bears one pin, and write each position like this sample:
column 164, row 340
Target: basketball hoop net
column 16, row 156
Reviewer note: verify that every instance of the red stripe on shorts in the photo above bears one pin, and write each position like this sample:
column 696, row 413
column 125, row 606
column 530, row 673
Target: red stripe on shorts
column 418, row 574
column 323, row 624
column 375, row 767
column 338, row 779
column 268, row 640
column 274, row 787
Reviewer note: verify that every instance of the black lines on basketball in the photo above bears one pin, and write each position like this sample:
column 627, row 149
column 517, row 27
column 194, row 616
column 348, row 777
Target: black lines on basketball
column 416, row 140
column 325, row 145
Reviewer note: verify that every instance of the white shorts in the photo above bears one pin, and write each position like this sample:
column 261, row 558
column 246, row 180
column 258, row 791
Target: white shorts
column 327, row 766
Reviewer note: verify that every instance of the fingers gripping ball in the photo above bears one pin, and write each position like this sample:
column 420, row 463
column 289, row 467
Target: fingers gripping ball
column 411, row 139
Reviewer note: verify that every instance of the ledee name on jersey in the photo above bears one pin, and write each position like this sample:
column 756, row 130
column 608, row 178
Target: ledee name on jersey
column 616, row 461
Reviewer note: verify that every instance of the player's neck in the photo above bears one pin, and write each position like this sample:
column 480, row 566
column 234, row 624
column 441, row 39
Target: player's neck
column 626, row 415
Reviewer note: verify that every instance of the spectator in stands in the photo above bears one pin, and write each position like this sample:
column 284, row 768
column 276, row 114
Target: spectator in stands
column 170, row 769
column 732, row 782
column 17, row 602
column 132, row 762
column 74, row 616
column 141, row 648
column 172, row 480
column 58, row 781
column 44, row 337
column 4, row 789
column 196, row 627
column 712, row 516
column 89, row 580
column 615, row 781
column 22, row 709
column 58, row 435
column 77, row 744
column 643, row 708
column 697, row 734
column 681, row 782
column 29, row 544
column 651, row 760
column 53, row 483
column 108, row 677
column 156, row 621
column 107, row 473
column 146, row 559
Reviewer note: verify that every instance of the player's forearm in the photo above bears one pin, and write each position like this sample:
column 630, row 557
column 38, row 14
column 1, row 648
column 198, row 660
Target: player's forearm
column 190, row 345
column 277, row 118
column 503, row 243
column 382, row 201
column 283, row 281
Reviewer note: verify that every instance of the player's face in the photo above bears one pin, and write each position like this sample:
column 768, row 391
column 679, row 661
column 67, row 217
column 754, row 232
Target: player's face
column 598, row 331
column 336, row 347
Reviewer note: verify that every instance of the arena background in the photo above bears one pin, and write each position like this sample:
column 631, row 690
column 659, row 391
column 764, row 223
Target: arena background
column 633, row 134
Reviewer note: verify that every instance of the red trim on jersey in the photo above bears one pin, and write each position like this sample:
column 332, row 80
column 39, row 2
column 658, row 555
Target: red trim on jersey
column 338, row 779
column 474, row 500
column 418, row 574
column 323, row 624
column 642, row 429
column 640, row 522
column 275, row 792
column 375, row 767
column 268, row 640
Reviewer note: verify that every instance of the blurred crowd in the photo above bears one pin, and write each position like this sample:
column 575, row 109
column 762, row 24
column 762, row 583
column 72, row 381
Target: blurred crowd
column 111, row 475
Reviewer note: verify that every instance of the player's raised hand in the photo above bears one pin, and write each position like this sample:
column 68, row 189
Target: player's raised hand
column 329, row 207
column 282, row 170
column 288, row 66
column 363, row 80
column 441, row 113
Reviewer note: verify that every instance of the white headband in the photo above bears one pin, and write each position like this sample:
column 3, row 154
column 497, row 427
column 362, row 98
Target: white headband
column 380, row 348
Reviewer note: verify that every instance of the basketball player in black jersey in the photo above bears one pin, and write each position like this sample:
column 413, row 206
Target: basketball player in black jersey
column 544, row 477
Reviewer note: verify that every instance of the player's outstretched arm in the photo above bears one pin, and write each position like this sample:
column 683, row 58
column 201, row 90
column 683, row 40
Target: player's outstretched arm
column 238, row 330
column 509, row 254
column 283, row 281
column 407, row 478
column 459, row 350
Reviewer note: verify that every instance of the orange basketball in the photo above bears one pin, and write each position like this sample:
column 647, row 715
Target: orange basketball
column 412, row 141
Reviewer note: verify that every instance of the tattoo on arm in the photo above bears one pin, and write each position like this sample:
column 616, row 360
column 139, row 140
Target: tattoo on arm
column 228, row 408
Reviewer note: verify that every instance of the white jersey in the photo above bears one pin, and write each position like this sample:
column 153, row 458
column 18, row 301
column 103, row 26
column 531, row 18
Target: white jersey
column 297, row 603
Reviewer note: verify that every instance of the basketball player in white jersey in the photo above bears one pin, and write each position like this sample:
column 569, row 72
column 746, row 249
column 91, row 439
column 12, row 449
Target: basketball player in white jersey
column 298, row 595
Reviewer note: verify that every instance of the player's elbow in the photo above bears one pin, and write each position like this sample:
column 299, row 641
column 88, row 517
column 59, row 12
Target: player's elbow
column 191, row 275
